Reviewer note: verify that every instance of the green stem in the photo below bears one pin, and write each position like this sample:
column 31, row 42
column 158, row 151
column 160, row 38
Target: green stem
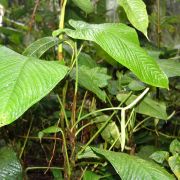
column 95, row 112
column 101, row 110
column 123, row 113
column 41, row 167
column 82, row 105
column 73, row 117
column 88, row 124
column 130, row 117
column 77, row 69
column 63, row 111
column 99, row 130
column 61, row 26
column 123, row 129
column 139, row 124
column 27, row 136
column 123, row 125
column 158, row 24
column 66, row 154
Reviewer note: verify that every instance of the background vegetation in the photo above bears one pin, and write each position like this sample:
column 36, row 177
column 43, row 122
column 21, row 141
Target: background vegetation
column 76, row 131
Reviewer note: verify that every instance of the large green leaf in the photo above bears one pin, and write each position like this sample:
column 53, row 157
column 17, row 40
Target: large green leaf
column 170, row 67
column 85, row 5
column 132, row 167
column 147, row 106
column 23, row 82
column 136, row 13
column 121, row 42
column 39, row 47
column 10, row 167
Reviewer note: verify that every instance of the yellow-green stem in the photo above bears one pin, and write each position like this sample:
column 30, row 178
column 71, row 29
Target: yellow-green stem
column 61, row 26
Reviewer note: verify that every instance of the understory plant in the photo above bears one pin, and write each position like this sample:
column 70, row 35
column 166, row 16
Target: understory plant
column 105, row 92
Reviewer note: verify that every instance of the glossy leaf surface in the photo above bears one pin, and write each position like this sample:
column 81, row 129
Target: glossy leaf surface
column 136, row 13
column 121, row 43
column 132, row 167
column 10, row 167
column 39, row 47
column 24, row 81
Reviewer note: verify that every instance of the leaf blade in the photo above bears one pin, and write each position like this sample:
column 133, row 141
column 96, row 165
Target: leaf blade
column 85, row 5
column 92, row 79
column 24, row 81
column 136, row 13
column 121, row 43
column 10, row 167
column 132, row 167
column 170, row 67
column 39, row 47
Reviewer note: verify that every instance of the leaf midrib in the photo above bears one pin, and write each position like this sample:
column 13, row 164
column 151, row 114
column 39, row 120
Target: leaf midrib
column 15, row 83
column 37, row 49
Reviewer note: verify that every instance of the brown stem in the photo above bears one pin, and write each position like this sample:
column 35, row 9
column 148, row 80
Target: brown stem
column 158, row 24
column 33, row 15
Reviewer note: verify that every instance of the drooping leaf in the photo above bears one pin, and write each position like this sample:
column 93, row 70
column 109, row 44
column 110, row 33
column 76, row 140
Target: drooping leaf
column 121, row 43
column 160, row 156
column 147, row 106
column 136, row 13
column 49, row 130
column 92, row 79
column 170, row 67
column 85, row 5
column 23, row 82
column 111, row 132
column 174, row 163
column 91, row 76
column 175, row 147
column 87, row 153
column 135, row 85
column 132, row 167
column 39, row 47
column 89, row 175
column 10, row 167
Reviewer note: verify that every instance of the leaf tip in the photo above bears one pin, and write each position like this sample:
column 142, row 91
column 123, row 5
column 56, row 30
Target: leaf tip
column 147, row 36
